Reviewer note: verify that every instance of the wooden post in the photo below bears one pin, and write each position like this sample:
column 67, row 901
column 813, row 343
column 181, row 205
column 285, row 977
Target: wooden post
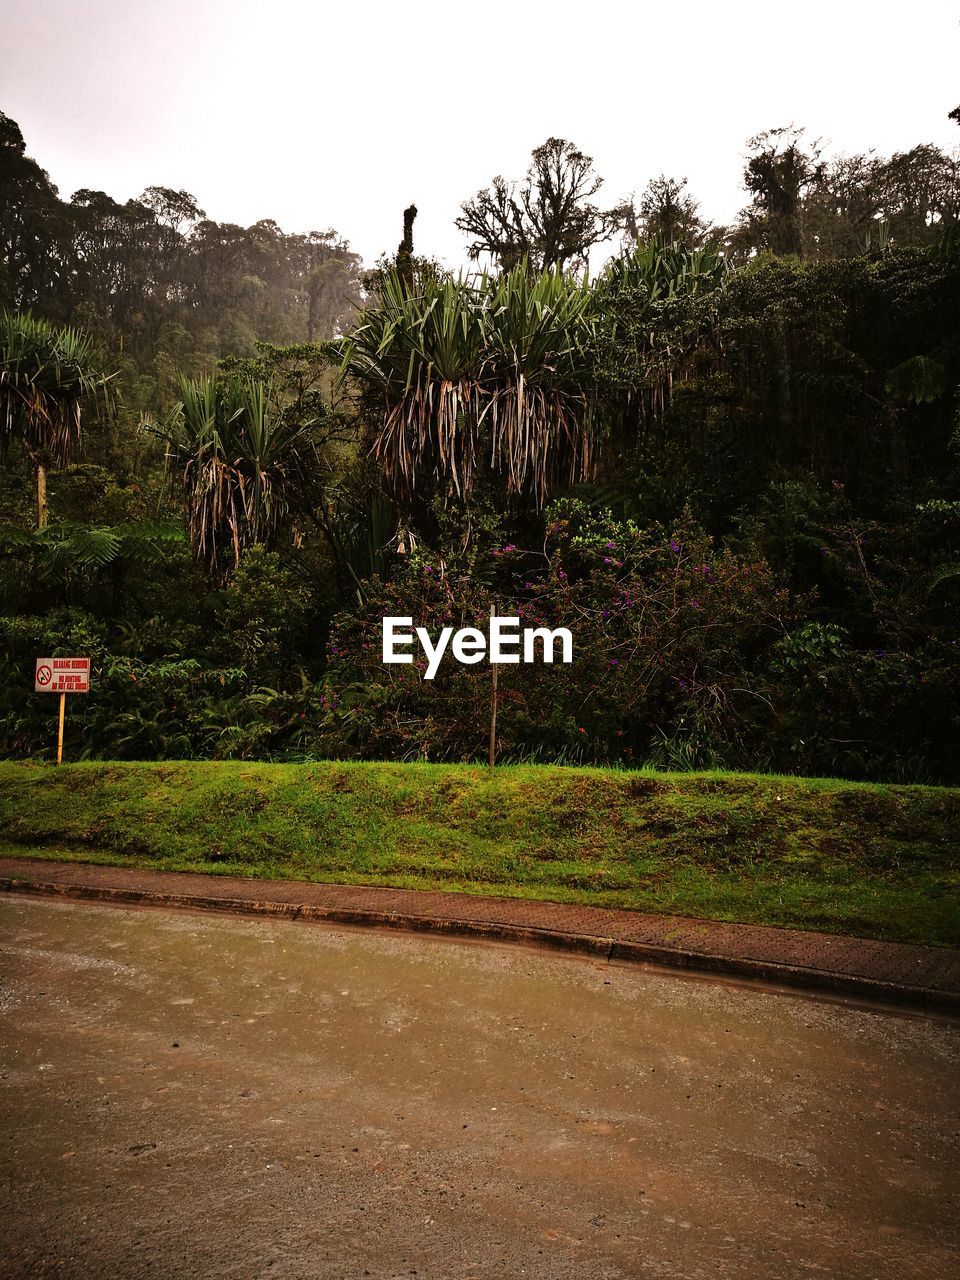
column 493, row 703
column 41, row 496
column 63, row 708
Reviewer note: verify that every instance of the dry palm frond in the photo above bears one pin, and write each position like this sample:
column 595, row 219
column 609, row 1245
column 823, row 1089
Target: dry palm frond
column 536, row 379
column 46, row 373
column 504, row 357
column 236, row 464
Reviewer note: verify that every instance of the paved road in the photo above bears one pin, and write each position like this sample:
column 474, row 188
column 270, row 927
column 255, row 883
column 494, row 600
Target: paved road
column 191, row 1096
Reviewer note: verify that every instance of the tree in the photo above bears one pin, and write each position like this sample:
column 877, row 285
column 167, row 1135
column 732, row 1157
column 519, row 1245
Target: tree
column 778, row 174
column 843, row 211
column 547, row 219
column 33, row 228
column 413, row 270
column 465, row 371
column 46, row 374
column 237, row 464
column 667, row 213
column 331, row 283
column 918, row 192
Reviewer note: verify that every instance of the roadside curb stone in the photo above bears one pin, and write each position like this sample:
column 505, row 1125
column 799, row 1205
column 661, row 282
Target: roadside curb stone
column 888, row 972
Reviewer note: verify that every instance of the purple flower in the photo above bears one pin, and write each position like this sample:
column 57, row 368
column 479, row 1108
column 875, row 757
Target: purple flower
column 611, row 546
column 614, row 662
column 607, row 560
column 675, row 547
column 695, row 604
column 428, row 569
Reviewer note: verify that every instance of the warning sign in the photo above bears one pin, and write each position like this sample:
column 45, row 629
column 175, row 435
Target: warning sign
column 62, row 675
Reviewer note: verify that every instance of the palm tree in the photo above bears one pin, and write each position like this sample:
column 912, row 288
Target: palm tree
column 417, row 355
column 46, row 375
column 536, row 378
column 237, row 463
column 482, row 367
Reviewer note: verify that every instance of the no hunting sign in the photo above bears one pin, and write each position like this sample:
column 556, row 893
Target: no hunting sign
column 63, row 676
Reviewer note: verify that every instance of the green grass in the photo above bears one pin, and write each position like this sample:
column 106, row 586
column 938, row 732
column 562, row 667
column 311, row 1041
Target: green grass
column 813, row 853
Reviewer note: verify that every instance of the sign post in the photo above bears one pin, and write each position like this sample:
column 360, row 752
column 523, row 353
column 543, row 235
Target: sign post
column 493, row 702
column 63, row 676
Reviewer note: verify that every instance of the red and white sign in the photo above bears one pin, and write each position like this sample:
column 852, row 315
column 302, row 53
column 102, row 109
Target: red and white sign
column 62, row 675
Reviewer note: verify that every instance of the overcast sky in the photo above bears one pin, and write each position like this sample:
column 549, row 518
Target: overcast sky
column 339, row 115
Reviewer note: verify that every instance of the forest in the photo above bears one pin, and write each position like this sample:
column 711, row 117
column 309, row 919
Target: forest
column 725, row 457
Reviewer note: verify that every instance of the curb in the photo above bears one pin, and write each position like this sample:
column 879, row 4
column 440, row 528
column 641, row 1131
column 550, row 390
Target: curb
column 821, row 981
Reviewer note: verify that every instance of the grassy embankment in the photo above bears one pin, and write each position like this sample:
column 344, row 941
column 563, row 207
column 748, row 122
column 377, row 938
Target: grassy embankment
column 875, row 861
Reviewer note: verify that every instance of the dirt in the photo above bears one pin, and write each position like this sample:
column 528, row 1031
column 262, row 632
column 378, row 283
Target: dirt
column 183, row 1095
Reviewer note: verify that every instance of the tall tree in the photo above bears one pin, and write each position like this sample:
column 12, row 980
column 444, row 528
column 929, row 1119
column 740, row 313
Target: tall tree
column 778, row 173
column 918, row 192
column 548, row 219
column 46, row 374
column 34, row 229
column 666, row 212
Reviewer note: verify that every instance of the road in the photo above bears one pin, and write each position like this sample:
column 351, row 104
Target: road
column 196, row 1096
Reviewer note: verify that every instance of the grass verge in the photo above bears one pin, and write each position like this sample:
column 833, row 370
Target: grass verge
column 812, row 853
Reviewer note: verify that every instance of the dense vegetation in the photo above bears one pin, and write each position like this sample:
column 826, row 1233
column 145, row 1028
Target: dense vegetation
column 860, row 858
column 728, row 463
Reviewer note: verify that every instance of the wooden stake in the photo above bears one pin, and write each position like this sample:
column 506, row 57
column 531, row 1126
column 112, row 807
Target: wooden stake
column 493, row 703
column 63, row 708
column 41, row 497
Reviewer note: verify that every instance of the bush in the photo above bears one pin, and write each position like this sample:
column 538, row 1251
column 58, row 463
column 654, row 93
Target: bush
column 665, row 632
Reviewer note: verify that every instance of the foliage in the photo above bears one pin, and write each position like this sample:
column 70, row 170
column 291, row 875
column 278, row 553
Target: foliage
column 663, row 629
column 65, row 552
column 730, row 464
column 236, row 464
column 472, row 368
column 163, row 288
column 546, row 221
column 46, row 373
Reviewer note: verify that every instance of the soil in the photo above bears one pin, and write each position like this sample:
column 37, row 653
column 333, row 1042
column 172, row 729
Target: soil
column 204, row 1096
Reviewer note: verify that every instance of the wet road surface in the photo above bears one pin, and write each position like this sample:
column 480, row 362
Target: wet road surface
column 183, row 1095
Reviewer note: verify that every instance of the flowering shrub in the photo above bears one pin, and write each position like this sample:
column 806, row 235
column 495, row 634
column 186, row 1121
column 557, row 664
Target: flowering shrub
column 665, row 633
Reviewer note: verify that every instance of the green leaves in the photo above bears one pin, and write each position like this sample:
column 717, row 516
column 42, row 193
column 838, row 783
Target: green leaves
column 479, row 366
column 236, row 463
column 61, row 552
column 919, row 380
column 45, row 374
column 664, row 272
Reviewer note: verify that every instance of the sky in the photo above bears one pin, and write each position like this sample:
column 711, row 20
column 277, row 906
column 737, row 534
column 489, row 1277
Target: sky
column 320, row 115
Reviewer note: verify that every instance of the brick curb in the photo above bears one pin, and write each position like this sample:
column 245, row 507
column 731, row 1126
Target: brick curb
column 891, row 973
